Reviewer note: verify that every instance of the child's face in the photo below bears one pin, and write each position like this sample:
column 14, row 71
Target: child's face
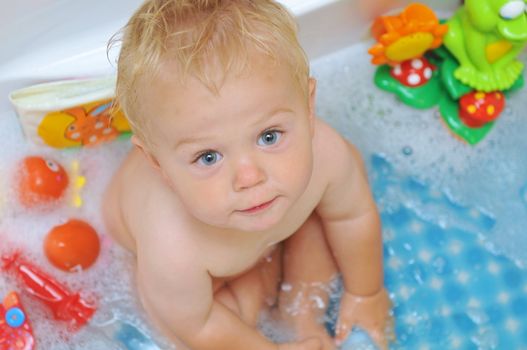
column 239, row 159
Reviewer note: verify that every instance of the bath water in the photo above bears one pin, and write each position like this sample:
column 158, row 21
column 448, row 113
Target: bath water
column 454, row 215
column 454, row 219
column 109, row 282
column 490, row 176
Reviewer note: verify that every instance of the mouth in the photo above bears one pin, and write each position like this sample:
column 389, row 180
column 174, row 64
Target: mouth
column 258, row 208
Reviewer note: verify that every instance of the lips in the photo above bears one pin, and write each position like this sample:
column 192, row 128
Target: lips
column 258, row 208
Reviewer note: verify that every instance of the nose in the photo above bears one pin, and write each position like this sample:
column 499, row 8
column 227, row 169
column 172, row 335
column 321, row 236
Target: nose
column 248, row 174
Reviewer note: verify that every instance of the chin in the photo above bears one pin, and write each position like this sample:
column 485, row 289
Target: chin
column 244, row 224
column 263, row 225
column 256, row 227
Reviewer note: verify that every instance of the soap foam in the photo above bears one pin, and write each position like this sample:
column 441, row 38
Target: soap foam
column 490, row 176
column 109, row 282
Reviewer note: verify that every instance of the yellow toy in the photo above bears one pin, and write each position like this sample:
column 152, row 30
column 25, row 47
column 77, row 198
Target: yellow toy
column 70, row 113
column 79, row 181
column 406, row 36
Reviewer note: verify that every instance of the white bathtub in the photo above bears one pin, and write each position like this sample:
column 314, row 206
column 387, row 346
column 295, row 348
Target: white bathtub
column 43, row 40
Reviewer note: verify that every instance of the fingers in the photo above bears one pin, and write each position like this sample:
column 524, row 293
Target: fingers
column 388, row 335
column 390, row 329
column 341, row 333
column 380, row 340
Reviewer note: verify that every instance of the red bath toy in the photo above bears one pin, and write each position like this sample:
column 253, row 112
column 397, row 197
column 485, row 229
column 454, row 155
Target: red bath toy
column 40, row 181
column 72, row 245
column 66, row 306
column 414, row 72
column 15, row 330
column 479, row 108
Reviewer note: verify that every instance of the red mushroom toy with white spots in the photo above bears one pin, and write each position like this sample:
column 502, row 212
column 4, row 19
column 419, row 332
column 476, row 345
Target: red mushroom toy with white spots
column 414, row 72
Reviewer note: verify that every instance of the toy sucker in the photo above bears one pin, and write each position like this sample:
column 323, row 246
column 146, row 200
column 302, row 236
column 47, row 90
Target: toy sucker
column 65, row 305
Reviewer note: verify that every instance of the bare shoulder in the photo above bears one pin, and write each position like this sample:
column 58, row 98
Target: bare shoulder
column 334, row 152
column 142, row 213
column 346, row 184
column 136, row 202
column 112, row 209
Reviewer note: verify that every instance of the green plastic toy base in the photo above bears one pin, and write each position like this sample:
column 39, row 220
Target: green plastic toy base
column 450, row 114
column 421, row 97
column 442, row 89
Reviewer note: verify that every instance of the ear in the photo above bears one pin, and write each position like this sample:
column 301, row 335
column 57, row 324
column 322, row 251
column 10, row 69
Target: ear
column 311, row 103
column 139, row 144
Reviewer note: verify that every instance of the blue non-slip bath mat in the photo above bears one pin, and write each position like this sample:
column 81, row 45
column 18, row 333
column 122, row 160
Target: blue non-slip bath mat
column 450, row 290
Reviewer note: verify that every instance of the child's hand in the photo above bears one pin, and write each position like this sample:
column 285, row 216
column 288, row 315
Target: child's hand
column 308, row 344
column 370, row 313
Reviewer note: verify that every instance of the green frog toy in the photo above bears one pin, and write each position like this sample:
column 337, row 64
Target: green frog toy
column 469, row 77
column 486, row 36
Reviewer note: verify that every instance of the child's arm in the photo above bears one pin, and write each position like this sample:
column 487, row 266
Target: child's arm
column 180, row 301
column 352, row 225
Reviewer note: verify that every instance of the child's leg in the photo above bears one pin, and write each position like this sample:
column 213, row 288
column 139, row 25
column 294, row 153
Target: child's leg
column 308, row 267
column 257, row 288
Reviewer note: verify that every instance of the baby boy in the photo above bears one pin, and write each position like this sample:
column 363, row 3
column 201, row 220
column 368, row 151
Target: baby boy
column 236, row 198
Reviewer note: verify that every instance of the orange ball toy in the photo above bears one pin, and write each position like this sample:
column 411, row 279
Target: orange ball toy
column 40, row 181
column 72, row 245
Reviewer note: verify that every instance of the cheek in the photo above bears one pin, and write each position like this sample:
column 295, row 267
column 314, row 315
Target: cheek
column 295, row 167
column 190, row 188
column 202, row 197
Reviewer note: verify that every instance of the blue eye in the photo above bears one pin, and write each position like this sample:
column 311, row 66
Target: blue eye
column 209, row 158
column 269, row 137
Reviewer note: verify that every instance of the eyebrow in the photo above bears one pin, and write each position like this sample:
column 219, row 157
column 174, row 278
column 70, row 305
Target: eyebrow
column 189, row 140
column 272, row 114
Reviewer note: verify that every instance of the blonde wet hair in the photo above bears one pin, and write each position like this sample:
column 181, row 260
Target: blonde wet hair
column 206, row 39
